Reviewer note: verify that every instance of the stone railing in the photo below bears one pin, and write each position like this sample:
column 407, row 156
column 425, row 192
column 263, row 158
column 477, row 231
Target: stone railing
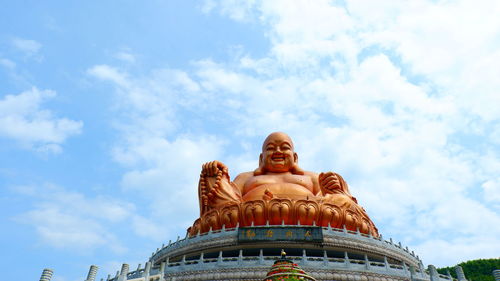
column 313, row 265
column 161, row 268
column 328, row 232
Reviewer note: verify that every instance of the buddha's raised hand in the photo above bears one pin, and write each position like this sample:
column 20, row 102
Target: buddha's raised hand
column 212, row 168
column 215, row 188
column 331, row 182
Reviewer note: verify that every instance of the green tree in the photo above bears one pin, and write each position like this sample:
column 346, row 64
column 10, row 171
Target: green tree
column 475, row 270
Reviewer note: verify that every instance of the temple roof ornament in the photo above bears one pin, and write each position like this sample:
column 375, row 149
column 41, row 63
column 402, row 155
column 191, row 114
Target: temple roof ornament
column 285, row 269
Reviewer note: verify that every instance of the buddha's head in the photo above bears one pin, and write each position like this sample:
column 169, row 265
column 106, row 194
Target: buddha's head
column 278, row 155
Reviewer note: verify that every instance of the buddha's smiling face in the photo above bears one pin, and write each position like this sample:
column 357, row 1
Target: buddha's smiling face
column 277, row 153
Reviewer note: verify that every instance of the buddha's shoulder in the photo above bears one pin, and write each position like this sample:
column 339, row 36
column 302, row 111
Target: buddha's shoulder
column 310, row 174
column 243, row 177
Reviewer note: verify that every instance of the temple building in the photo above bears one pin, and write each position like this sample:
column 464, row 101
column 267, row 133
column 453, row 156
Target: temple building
column 247, row 224
column 285, row 269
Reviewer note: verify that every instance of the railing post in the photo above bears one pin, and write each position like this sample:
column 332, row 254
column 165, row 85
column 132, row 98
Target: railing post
column 433, row 273
column 162, row 271
column 46, row 274
column 496, row 274
column 261, row 256
column 304, row 256
column 460, row 273
column 219, row 259
column 92, row 273
column 412, row 273
column 162, row 267
column 123, row 273
column 147, row 270
column 240, row 257
column 421, row 267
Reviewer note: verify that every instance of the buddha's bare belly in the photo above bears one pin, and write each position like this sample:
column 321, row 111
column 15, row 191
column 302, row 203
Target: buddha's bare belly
column 278, row 186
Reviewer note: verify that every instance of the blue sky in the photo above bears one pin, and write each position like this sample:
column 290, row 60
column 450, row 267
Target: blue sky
column 108, row 109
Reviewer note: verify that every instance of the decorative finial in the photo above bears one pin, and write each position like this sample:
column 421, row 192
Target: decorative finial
column 283, row 254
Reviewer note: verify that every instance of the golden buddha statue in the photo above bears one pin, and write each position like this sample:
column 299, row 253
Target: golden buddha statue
column 277, row 192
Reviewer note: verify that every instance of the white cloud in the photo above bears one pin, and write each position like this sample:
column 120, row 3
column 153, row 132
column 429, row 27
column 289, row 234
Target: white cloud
column 160, row 153
column 385, row 94
column 492, row 191
column 150, row 229
column 235, row 9
column 109, row 73
column 451, row 42
column 7, row 63
column 70, row 220
column 23, row 119
column 30, row 48
column 207, row 6
column 125, row 56
column 450, row 250
column 172, row 169
column 62, row 230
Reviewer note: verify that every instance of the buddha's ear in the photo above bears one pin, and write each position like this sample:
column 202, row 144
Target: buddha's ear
column 295, row 158
column 260, row 170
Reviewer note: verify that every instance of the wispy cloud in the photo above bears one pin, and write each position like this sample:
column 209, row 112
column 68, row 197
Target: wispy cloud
column 125, row 56
column 235, row 9
column 387, row 99
column 383, row 97
column 23, row 119
column 7, row 63
column 161, row 155
column 70, row 220
column 30, row 48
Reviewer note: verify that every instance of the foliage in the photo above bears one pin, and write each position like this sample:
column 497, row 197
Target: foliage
column 475, row 270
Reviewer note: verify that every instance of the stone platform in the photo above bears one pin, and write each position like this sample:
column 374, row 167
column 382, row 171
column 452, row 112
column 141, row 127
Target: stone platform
column 247, row 253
